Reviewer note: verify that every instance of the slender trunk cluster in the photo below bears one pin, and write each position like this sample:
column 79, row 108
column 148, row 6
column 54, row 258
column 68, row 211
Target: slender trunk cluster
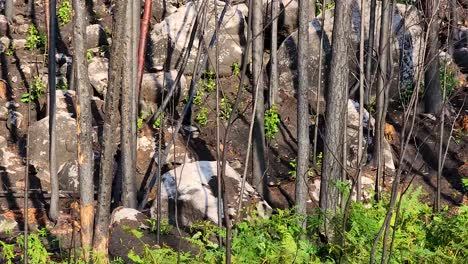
column 382, row 87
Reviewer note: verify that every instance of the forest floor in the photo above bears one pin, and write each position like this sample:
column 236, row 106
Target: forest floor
column 420, row 161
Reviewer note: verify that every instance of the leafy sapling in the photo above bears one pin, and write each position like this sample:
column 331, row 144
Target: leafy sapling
column 35, row 39
column 36, row 90
column 272, row 121
column 202, row 116
column 65, row 12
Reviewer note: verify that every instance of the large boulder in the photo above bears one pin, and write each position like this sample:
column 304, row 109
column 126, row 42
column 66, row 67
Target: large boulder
column 460, row 57
column 152, row 84
column 197, row 194
column 287, row 16
column 170, row 38
column 407, row 43
column 66, row 147
column 353, row 138
column 95, row 36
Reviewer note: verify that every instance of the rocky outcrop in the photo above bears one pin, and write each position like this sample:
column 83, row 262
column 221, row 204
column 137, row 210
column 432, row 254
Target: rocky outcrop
column 170, row 38
column 406, row 44
column 197, row 194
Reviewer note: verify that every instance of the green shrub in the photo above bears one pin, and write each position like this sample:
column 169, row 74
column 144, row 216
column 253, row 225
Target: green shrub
column 202, row 116
column 65, row 12
column 36, row 90
column 272, row 121
column 225, row 108
column 35, row 39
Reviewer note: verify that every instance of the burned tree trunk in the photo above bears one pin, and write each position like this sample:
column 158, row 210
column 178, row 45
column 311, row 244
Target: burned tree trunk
column 84, row 127
column 106, row 173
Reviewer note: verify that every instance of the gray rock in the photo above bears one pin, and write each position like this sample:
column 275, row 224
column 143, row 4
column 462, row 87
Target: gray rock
column 3, row 25
column 198, row 195
column 7, row 226
column 14, row 120
column 5, row 43
column 407, row 43
column 152, row 86
column 3, row 113
column 19, row 43
column 39, row 144
column 171, row 37
column 353, row 132
column 95, row 36
column 123, row 220
column 23, row 28
column 69, row 179
column 98, row 74
column 19, row 19
column 460, row 57
column 164, row 8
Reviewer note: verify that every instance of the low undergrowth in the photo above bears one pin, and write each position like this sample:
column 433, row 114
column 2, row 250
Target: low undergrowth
column 420, row 236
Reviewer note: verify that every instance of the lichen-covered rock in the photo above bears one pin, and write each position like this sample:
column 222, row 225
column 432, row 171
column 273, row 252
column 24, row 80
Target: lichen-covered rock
column 407, row 43
column 69, row 179
column 197, row 194
column 170, row 38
